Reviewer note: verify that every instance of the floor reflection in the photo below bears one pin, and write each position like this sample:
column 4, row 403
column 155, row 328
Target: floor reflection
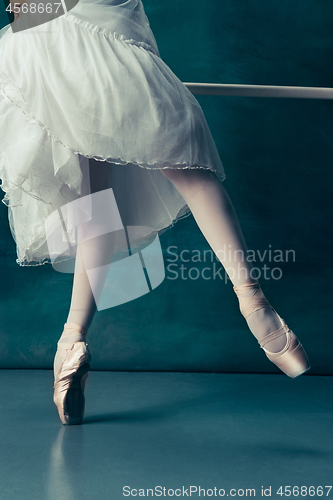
column 65, row 464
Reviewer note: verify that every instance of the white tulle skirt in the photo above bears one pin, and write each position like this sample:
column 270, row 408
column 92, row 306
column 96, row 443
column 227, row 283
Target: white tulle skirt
column 91, row 84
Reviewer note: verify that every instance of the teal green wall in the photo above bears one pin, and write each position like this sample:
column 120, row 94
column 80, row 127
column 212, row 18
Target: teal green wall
column 278, row 158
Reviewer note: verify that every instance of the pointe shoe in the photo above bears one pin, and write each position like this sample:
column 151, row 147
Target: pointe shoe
column 70, row 383
column 292, row 359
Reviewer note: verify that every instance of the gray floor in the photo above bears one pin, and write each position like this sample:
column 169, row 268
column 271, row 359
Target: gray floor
column 173, row 430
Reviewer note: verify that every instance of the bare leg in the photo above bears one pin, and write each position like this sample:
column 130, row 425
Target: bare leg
column 215, row 215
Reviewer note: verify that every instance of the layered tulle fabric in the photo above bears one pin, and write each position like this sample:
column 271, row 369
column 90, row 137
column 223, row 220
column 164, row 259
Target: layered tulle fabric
column 91, row 84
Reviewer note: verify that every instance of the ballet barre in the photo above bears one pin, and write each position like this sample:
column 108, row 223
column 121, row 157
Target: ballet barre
column 260, row 90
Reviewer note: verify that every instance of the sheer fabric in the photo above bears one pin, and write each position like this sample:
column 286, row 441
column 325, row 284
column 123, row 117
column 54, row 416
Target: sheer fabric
column 91, row 84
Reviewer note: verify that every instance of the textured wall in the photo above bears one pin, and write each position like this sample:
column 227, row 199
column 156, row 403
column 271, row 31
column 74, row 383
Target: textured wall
column 277, row 154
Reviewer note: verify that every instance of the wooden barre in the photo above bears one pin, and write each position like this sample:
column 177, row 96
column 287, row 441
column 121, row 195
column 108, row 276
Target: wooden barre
column 260, row 90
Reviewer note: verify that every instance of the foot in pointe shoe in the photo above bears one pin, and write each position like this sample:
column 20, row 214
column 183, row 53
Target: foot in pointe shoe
column 71, row 378
column 292, row 359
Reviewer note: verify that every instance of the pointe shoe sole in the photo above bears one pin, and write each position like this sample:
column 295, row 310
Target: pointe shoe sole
column 70, row 384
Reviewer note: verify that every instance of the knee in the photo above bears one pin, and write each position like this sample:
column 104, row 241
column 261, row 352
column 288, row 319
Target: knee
column 171, row 173
column 189, row 176
column 188, row 173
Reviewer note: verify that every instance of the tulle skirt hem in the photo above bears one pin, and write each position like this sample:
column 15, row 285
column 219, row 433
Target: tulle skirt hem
column 124, row 107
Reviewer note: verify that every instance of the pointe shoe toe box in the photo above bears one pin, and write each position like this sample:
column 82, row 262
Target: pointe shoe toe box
column 292, row 359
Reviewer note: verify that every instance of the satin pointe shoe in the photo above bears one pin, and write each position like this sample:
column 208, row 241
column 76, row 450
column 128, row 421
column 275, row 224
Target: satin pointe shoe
column 292, row 359
column 70, row 381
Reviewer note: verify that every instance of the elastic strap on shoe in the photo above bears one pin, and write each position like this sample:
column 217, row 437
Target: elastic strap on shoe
column 274, row 335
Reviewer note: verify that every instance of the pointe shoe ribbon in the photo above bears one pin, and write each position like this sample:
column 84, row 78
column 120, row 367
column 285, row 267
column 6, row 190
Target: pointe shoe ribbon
column 70, row 381
column 292, row 359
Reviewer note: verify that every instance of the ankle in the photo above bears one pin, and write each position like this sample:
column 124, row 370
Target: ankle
column 261, row 317
column 250, row 297
column 72, row 333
